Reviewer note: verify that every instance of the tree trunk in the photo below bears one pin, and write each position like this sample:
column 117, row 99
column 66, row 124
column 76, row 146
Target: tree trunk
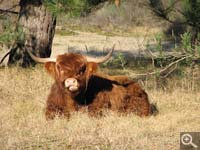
column 38, row 28
column 117, row 3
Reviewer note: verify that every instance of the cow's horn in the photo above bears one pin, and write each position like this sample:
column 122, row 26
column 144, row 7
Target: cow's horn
column 101, row 59
column 41, row 60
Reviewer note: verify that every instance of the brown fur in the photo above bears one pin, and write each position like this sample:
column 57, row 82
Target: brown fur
column 96, row 91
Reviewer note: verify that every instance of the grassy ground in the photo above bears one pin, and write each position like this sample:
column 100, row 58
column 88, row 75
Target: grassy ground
column 23, row 125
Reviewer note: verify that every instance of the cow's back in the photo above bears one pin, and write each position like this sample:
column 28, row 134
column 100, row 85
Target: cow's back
column 112, row 99
column 125, row 98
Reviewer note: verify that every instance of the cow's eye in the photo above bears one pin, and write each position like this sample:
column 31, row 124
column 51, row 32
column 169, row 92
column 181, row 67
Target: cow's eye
column 82, row 70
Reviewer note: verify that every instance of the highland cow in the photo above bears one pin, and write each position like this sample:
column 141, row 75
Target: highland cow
column 78, row 85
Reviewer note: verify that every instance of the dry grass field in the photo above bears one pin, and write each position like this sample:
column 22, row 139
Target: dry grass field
column 23, row 94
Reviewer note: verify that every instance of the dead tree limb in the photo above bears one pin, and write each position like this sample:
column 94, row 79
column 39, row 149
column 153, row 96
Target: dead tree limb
column 165, row 70
column 4, row 57
column 9, row 10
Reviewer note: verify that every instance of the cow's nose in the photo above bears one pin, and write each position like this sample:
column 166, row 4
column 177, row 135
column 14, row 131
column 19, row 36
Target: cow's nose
column 70, row 82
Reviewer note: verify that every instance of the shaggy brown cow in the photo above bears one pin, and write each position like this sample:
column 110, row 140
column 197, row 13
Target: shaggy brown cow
column 78, row 85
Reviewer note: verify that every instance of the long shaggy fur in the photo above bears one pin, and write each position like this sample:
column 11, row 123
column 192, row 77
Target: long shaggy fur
column 96, row 93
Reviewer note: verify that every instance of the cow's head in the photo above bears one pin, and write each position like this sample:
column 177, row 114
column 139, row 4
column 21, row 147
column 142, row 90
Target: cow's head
column 72, row 71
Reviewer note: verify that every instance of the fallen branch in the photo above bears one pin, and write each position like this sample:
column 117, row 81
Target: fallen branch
column 4, row 57
column 162, row 71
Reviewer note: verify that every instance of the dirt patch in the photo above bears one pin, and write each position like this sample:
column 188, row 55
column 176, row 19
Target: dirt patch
column 96, row 43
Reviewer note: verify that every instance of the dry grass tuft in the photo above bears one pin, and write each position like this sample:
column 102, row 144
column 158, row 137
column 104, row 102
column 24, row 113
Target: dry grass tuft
column 23, row 126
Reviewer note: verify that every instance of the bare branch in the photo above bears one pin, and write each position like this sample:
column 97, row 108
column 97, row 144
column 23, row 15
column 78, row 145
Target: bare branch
column 9, row 10
column 86, row 48
column 162, row 71
column 4, row 57
column 170, row 8
column 166, row 75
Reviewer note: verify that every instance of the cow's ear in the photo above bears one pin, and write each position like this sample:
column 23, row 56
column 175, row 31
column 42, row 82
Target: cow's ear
column 51, row 68
column 92, row 67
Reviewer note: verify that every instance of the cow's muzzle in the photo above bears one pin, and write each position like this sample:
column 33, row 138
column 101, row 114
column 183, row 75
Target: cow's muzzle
column 71, row 84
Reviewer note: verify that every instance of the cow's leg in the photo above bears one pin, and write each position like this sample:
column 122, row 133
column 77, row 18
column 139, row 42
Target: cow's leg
column 51, row 111
column 95, row 110
column 60, row 110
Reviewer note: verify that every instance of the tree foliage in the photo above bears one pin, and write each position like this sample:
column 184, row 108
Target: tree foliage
column 188, row 9
column 10, row 34
column 188, row 12
column 191, row 12
column 71, row 7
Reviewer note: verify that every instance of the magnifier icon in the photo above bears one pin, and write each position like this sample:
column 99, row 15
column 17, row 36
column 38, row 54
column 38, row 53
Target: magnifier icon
column 186, row 139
